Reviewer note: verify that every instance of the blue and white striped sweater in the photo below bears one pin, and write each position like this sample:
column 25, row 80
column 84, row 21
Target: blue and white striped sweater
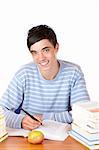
column 47, row 97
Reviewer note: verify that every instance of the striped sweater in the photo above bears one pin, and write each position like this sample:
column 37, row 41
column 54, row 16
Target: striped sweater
column 52, row 98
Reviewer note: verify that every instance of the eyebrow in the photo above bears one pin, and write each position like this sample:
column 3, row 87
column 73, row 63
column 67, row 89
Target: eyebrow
column 41, row 49
column 45, row 48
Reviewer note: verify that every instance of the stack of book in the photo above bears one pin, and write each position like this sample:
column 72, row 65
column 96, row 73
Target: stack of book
column 85, row 126
column 3, row 132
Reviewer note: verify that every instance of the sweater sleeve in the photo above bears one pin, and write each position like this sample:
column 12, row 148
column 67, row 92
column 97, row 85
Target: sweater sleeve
column 10, row 101
column 78, row 87
column 65, row 116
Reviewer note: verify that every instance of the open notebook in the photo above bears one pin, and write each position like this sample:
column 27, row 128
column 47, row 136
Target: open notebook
column 52, row 130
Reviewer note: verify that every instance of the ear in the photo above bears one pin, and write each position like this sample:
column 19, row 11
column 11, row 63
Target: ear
column 57, row 47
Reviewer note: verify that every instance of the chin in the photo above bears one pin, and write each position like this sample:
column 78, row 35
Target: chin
column 45, row 69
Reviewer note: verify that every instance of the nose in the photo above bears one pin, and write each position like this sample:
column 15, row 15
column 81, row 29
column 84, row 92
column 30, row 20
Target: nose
column 40, row 56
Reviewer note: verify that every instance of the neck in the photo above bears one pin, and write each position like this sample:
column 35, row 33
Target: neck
column 51, row 74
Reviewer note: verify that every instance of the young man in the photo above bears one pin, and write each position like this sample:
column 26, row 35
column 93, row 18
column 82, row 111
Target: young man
column 45, row 88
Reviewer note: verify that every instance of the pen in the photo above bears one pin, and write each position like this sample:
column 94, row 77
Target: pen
column 31, row 116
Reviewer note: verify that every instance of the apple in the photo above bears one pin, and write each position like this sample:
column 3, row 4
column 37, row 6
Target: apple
column 35, row 137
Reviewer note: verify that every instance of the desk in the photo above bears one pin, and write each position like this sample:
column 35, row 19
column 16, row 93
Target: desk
column 21, row 143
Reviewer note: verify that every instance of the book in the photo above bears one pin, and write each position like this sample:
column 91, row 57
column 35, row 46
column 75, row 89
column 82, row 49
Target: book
column 3, row 132
column 85, row 134
column 91, row 147
column 51, row 129
column 89, row 115
column 88, row 123
column 85, row 126
column 83, row 138
column 90, row 108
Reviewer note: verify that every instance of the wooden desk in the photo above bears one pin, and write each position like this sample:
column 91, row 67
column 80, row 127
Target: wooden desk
column 21, row 143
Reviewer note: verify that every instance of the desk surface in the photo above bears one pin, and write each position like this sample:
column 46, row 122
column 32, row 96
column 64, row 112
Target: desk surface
column 21, row 143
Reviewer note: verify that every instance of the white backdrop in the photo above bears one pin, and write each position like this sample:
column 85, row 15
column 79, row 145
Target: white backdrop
column 75, row 23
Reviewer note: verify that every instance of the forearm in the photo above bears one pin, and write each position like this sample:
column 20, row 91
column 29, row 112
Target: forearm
column 13, row 120
column 64, row 116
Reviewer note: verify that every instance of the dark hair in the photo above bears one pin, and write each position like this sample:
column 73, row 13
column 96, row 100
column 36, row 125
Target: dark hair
column 41, row 32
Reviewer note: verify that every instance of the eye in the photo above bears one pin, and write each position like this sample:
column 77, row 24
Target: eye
column 46, row 50
column 34, row 52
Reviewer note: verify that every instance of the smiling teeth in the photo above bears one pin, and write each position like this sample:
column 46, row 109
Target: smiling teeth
column 43, row 63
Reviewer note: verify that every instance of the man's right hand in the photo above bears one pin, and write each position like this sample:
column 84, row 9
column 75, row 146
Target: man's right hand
column 29, row 124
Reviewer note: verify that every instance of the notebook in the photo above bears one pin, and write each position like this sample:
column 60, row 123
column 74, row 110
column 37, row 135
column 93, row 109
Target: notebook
column 51, row 129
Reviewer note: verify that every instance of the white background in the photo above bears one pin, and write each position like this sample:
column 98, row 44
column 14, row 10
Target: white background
column 75, row 23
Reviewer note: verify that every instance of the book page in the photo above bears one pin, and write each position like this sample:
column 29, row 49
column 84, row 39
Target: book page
column 17, row 132
column 54, row 130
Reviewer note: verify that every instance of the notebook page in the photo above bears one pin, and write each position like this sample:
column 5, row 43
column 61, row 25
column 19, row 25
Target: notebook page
column 54, row 130
column 17, row 132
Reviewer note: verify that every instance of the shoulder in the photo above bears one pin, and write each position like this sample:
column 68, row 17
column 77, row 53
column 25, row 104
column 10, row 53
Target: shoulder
column 26, row 70
column 70, row 66
column 72, row 71
column 29, row 66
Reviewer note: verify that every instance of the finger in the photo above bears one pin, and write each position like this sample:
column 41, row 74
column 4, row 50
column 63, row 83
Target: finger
column 29, row 126
column 31, row 121
column 39, row 118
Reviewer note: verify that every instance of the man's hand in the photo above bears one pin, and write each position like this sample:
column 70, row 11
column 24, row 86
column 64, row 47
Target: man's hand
column 29, row 124
column 38, row 117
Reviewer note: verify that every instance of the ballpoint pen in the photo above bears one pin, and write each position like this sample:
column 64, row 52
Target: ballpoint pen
column 34, row 118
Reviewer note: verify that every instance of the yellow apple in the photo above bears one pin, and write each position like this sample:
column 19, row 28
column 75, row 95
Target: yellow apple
column 35, row 137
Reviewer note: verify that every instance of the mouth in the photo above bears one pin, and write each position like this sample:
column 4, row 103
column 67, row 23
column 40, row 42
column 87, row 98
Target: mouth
column 43, row 63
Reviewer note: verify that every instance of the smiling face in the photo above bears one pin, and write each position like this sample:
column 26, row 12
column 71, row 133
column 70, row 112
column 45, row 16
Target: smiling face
column 44, row 55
